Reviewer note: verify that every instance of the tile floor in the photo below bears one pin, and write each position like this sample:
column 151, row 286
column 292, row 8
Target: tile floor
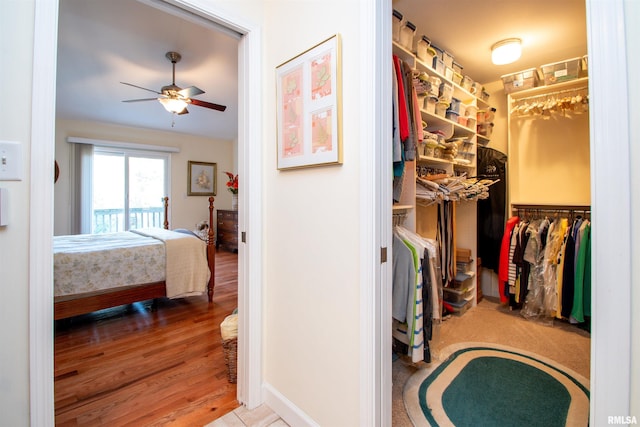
column 262, row 416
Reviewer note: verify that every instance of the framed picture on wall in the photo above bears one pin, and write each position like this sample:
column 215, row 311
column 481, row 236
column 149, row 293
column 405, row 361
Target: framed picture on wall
column 309, row 98
column 201, row 179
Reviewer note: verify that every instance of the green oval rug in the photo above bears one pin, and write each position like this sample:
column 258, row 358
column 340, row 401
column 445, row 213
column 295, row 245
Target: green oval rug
column 492, row 385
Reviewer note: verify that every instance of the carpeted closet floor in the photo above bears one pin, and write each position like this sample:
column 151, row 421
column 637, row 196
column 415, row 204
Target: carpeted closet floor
column 492, row 322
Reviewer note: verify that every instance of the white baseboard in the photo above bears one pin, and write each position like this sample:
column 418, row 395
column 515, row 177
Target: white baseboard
column 282, row 406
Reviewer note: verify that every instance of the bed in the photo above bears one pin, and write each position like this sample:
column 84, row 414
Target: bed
column 97, row 271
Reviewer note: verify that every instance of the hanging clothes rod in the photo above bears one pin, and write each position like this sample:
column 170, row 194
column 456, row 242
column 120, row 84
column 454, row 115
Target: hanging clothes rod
column 517, row 208
column 551, row 94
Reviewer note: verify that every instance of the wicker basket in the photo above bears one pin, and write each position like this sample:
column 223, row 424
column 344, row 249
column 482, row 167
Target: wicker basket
column 230, row 348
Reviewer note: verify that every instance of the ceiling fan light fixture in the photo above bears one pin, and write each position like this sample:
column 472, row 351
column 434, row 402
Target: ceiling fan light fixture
column 506, row 51
column 173, row 105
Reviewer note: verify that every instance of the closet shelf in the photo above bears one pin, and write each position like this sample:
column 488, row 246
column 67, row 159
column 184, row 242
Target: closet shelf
column 449, row 127
column 483, row 140
column 551, row 89
column 429, row 159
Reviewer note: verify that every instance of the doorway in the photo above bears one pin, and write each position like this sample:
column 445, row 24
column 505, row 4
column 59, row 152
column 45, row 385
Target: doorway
column 607, row 82
column 40, row 261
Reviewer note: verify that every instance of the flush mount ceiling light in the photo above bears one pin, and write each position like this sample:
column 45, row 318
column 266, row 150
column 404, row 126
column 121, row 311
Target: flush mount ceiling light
column 506, row 51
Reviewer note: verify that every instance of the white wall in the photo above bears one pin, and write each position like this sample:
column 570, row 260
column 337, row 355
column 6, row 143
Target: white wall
column 311, row 233
column 185, row 211
column 311, row 296
column 16, row 45
column 632, row 17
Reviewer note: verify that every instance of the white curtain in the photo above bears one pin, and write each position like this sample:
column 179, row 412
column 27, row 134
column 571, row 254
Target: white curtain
column 83, row 189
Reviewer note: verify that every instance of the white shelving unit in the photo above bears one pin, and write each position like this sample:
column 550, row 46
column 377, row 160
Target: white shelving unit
column 423, row 219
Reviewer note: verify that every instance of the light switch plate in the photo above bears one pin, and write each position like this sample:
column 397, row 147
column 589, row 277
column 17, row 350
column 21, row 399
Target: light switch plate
column 10, row 161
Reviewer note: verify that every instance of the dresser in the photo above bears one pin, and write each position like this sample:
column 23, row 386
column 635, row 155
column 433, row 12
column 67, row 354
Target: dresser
column 227, row 230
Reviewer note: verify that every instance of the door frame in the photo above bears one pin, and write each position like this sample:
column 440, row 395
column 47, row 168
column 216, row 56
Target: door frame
column 611, row 209
column 41, row 339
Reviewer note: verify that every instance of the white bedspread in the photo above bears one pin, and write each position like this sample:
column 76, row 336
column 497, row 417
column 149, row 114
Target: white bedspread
column 88, row 263
column 96, row 262
column 187, row 271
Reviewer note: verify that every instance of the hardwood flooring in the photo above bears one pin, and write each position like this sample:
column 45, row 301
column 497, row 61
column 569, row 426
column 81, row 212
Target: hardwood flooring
column 148, row 364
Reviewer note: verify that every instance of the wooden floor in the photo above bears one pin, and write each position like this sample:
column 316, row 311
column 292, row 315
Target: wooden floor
column 142, row 366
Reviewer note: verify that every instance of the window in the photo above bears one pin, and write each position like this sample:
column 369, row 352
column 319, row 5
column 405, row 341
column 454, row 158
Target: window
column 119, row 188
column 128, row 187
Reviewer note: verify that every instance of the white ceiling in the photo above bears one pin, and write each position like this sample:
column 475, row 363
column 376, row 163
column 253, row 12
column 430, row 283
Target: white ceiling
column 551, row 31
column 102, row 43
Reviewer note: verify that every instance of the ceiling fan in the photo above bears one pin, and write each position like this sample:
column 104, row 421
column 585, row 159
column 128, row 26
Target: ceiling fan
column 173, row 98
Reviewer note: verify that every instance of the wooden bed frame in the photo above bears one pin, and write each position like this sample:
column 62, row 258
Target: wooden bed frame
column 73, row 305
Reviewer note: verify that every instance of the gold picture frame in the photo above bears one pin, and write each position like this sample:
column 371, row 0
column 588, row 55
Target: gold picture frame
column 201, row 179
column 309, row 107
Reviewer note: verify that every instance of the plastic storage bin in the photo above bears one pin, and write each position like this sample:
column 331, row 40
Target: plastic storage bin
column 457, row 78
column 448, row 72
column 441, row 108
column 452, row 115
column 396, row 25
column 467, row 83
column 439, row 52
column 471, row 111
column 459, row 308
column 448, row 59
column 562, row 71
column 430, row 104
column 438, row 65
column 457, row 295
column 422, row 48
column 446, row 92
column 455, row 105
column 471, row 122
column 485, row 129
column 407, row 33
column 434, row 90
column 520, row 80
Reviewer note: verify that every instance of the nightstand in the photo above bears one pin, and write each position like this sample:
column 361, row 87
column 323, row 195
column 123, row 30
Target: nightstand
column 227, row 230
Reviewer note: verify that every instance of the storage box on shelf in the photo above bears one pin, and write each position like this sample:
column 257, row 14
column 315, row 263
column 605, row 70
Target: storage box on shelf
column 396, row 24
column 520, row 80
column 562, row 71
column 459, row 294
column 458, row 308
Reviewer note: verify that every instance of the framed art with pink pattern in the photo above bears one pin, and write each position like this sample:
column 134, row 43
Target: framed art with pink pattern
column 309, row 97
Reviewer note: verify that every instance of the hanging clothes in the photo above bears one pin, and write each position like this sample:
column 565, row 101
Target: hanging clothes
column 445, row 236
column 415, row 292
column 534, row 255
column 550, row 271
column 504, row 263
column 491, row 164
column 582, row 279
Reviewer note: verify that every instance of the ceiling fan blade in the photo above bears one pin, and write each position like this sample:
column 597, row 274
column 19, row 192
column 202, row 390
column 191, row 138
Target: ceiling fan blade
column 190, row 91
column 139, row 100
column 208, row 105
column 140, row 87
